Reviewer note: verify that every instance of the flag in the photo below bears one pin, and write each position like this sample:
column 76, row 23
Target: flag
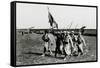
column 55, row 25
column 50, row 19
column 52, row 22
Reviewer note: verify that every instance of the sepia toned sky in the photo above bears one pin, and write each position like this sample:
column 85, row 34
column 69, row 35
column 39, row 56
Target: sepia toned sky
column 36, row 15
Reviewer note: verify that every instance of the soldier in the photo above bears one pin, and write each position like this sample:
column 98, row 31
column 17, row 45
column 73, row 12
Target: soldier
column 74, row 40
column 68, row 44
column 81, row 43
column 73, row 37
column 45, row 39
column 58, row 44
column 22, row 33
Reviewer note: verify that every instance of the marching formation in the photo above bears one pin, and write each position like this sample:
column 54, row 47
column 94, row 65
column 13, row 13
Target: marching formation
column 64, row 43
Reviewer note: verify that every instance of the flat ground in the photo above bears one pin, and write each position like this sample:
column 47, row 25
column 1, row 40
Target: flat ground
column 29, row 49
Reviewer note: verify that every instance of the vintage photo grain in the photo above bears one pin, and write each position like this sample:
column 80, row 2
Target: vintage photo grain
column 47, row 34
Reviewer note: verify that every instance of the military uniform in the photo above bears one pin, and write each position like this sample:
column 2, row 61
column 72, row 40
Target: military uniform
column 81, row 43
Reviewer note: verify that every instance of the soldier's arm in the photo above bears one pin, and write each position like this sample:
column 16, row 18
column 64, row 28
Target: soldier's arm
column 71, row 42
column 84, row 43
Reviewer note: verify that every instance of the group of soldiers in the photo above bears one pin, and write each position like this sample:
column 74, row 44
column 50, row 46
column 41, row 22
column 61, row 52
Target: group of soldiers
column 67, row 43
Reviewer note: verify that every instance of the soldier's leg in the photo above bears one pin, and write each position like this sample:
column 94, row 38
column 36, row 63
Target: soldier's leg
column 65, row 51
column 61, row 49
column 56, row 51
column 50, row 48
column 44, row 52
column 45, row 48
column 75, row 50
column 65, row 55
column 81, row 48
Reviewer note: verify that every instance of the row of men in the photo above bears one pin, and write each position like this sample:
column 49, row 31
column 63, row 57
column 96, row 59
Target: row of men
column 65, row 43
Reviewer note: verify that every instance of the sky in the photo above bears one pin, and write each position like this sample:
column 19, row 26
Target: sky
column 36, row 15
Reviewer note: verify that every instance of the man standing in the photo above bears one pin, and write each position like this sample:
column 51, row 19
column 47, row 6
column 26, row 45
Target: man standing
column 74, row 40
column 81, row 43
column 73, row 37
column 68, row 45
column 45, row 39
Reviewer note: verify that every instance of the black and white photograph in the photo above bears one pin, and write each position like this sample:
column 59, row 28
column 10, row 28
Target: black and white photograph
column 55, row 33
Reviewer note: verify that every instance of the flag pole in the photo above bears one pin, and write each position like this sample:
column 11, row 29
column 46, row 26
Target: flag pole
column 70, row 26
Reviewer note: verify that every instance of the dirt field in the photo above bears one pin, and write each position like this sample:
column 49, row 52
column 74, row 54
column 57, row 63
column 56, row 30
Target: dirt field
column 29, row 49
